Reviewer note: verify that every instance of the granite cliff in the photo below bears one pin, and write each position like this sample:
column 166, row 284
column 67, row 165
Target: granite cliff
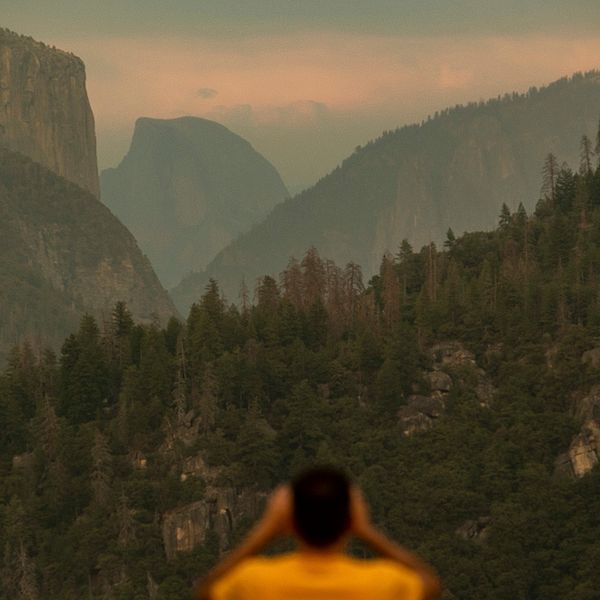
column 63, row 254
column 453, row 171
column 44, row 109
column 186, row 188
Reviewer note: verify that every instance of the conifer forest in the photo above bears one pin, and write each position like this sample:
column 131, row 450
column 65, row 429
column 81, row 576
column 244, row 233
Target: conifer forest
column 460, row 387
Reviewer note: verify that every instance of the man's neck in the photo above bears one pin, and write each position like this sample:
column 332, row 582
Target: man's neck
column 336, row 549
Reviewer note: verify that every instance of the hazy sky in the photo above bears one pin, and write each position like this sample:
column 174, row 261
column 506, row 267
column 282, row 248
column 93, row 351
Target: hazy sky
column 305, row 81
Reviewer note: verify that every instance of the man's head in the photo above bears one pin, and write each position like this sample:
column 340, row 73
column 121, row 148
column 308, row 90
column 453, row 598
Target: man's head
column 321, row 498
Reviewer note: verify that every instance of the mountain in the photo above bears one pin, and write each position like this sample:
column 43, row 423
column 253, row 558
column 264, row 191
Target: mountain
column 453, row 171
column 186, row 188
column 44, row 109
column 460, row 389
column 63, row 254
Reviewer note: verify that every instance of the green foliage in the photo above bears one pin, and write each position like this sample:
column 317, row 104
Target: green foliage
column 316, row 371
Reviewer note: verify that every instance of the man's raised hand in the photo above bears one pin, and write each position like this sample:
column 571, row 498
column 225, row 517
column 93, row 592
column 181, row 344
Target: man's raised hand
column 277, row 519
column 360, row 521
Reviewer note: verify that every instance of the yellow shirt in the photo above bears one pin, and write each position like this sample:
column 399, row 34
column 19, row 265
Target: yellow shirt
column 300, row 577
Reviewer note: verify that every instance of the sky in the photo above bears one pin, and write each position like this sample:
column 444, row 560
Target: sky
column 305, row 81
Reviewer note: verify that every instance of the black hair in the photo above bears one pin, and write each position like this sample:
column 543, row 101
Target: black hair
column 321, row 505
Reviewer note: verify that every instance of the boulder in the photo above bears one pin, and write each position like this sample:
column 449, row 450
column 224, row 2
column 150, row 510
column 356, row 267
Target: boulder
column 431, row 406
column 476, row 529
column 195, row 466
column 139, row 461
column 439, row 381
column 412, row 420
column 591, row 358
column 583, row 453
column 587, row 407
column 451, row 354
column 22, row 461
column 485, row 392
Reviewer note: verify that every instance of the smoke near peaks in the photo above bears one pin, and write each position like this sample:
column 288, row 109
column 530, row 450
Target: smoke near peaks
column 305, row 100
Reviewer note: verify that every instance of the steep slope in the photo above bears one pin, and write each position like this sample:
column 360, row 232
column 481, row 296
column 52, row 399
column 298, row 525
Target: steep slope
column 63, row 254
column 454, row 170
column 186, row 188
column 460, row 389
column 44, row 109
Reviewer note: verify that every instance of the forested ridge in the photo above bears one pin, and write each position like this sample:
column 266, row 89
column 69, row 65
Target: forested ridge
column 62, row 254
column 454, row 169
column 448, row 386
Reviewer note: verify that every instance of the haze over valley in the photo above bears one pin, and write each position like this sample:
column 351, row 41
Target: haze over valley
column 361, row 235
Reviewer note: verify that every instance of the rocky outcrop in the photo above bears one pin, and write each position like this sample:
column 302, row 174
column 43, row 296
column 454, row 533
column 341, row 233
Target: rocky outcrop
column 186, row 527
column 584, row 451
column 186, row 188
column 44, row 109
column 420, row 412
column 220, row 510
column 184, row 429
column 476, row 530
column 63, row 254
column 591, row 358
column 23, row 461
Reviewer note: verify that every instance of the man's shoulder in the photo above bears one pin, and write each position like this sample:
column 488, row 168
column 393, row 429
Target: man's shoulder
column 265, row 562
column 293, row 561
column 381, row 565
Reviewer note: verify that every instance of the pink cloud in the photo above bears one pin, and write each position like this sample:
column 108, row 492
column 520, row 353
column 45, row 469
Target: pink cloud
column 163, row 76
column 301, row 79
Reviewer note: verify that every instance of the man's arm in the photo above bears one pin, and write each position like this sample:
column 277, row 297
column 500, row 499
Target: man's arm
column 276, row 521
column 363, row 529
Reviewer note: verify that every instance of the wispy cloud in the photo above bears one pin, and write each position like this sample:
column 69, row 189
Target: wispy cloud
column 296, row 114
column 207, row 93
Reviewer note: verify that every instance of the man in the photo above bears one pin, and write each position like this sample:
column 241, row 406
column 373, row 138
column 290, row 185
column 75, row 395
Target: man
column 321, row 509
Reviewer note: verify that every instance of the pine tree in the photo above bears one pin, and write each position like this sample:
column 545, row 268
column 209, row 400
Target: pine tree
column 450, row 239
column 208, row 399
column 432, row 272
column 549, row 174
column 585, row 156
column 28, row 587
column 126, row 522
column 102, row 471
column 205, row 328
column 268, row 297
column 244, row 297
column 84, row 370
column 354, row 288
column 597, row 147
column 565, row 189
column 505, row 217
column 390, row 291
column 291, row 283
column 313, row 278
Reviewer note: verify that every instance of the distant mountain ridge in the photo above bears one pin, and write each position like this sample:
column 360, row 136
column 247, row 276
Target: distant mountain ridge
column 186, row 188
column 454, row 170
column 44, row 109
column 63, row 254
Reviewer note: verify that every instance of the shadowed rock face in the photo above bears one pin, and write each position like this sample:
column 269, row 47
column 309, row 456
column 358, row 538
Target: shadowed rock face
column 186, row 188
column 64, row 254
column 222, row 507
column 44, row 109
